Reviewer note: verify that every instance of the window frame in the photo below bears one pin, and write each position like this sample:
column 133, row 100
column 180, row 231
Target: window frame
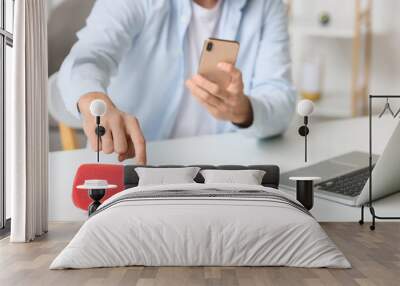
column 6, row 39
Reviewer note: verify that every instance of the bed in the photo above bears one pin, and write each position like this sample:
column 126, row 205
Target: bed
column 198, row 224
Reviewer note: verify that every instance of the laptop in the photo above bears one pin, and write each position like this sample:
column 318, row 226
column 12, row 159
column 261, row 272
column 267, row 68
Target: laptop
column 345, row 179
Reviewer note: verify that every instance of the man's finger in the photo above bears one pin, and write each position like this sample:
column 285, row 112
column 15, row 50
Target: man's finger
column 230, row 69
column 209, row 86
column 202, row 94
column 90, row 131
column 119, row 136
column 212, row 109
column 130, row 152
column 107, row 144
column 136, row 135
column 218, row 112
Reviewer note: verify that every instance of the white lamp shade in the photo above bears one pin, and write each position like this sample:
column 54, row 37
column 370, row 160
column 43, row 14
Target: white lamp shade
column 98, row 107
column 305, row 107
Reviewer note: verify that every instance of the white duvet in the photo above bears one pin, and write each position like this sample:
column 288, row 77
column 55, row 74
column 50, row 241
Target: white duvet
column 203, row 231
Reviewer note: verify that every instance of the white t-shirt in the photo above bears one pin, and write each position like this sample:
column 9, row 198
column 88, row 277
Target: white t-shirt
column 192, row 118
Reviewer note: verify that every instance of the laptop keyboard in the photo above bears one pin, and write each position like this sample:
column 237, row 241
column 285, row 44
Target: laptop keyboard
column 350, row 184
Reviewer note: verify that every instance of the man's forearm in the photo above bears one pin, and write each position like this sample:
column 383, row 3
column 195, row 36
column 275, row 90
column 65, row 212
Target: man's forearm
column 94, row 58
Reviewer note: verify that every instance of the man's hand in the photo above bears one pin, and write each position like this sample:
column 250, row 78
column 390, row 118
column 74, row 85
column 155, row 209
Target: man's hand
column 226, row 104
column 123, row 134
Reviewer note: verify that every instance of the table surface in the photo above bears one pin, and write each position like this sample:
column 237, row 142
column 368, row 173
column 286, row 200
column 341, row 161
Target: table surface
column 304, row 178
column 326, row 140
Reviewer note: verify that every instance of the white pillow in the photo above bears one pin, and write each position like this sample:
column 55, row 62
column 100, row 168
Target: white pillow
column 164, row 176
column 247, row 177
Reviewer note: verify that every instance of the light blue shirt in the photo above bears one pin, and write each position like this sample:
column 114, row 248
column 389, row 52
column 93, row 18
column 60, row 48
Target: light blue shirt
column 133, row 50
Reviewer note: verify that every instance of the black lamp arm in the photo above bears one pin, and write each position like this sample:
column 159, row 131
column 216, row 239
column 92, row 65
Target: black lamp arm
column 304, row 131
column 100, row 131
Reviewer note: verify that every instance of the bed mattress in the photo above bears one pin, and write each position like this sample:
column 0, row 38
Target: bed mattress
column 201, row 225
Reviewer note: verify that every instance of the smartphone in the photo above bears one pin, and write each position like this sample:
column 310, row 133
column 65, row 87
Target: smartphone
column 214, row 52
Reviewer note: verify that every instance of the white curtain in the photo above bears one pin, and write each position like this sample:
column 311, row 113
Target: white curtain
column 27, row 123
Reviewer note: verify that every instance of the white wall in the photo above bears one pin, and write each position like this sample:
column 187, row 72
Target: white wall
column 386, row 52
column 385, row 58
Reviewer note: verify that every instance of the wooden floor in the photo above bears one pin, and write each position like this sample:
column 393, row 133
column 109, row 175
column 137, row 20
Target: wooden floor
column 375, row 257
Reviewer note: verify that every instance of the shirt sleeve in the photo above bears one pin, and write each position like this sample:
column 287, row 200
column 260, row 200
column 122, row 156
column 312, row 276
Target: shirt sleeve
column 272, row 95
column 102, row 43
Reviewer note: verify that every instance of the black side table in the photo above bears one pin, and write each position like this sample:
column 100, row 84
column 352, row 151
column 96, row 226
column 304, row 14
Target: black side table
column 305, row 190
column 96, row 190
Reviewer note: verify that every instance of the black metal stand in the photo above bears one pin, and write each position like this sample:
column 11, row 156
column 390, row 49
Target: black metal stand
column 371, row 208
column 96, row 195
column 305, row 193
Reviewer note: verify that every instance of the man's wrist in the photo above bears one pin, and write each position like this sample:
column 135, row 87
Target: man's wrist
column 245, row 118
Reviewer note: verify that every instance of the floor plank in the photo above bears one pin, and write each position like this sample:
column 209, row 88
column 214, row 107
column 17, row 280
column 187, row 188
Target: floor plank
column 375, row 257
